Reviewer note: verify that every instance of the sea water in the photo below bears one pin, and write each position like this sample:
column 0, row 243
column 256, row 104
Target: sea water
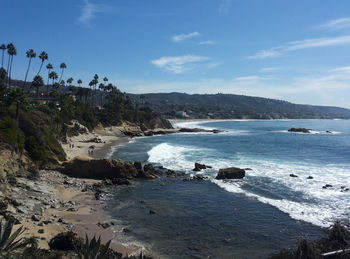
column 266, row 211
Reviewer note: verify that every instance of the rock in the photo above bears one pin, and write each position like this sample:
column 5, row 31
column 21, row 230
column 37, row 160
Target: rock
column 329, row 132
column 3, row 205
column 107, row 182
column 149, row 172
column 293, row 175
column 35, row 218
column 300, row 130
column 231, row 173
column 104, row 225
column 148, row 168
column 72, row 209
column 41, row 231
column 64, row 241
column 60, row 220
column 99, row 168
column 126, row 230
column 118, row 181
column 152, row 212
column 138, row 165
column 195, row 130
column 309, row 177
column 198, row 167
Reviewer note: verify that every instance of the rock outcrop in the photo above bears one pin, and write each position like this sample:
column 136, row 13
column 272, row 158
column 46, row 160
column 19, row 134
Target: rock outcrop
column 83, row 167
column 198, row 167
column 231, row 173
column 299, row 130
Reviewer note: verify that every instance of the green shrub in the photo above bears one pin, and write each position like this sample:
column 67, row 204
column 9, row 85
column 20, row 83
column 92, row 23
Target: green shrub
column 35, row 150
column 8, row 130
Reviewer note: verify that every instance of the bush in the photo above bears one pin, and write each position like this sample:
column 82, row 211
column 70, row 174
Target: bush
column 8, row 130
column 35, row 150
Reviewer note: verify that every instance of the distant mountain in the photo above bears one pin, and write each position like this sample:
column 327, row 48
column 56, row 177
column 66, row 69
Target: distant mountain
column 230, row 106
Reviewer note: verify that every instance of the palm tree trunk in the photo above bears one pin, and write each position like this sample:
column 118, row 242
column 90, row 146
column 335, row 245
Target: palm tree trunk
column 47, row 85
column 61, row 75
column 40, row 67
column 2, row 59
column 25, row 78
column 8, row 70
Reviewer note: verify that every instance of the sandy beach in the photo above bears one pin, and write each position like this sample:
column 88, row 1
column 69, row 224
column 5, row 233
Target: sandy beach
column 57, row 203
column 107, row 138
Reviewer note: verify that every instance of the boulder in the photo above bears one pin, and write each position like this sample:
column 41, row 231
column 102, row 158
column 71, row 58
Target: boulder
column 293, row 175
column 198, row 167
column 300, row 130
column 138, row 165
column 82, row 167
column 230, row 173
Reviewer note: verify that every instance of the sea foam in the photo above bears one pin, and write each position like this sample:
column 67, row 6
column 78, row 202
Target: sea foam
column 270, row 181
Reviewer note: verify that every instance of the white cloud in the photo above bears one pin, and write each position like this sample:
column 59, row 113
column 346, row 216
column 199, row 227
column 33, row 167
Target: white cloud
column 270, row 69
column 89, row 11
column 181, row 37
column 178, row 65
column 248, row 78
column 206, row 42
column 336, row 24
column 303, row 44
column 224, row 7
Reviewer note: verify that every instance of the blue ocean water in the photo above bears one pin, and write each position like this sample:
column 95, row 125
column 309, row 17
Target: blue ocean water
column 264, row 212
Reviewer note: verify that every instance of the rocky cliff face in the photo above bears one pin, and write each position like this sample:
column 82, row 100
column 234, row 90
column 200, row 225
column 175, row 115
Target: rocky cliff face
column 11, row 163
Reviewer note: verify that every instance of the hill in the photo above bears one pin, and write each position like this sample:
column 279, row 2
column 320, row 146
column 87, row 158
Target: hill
column 231, row 106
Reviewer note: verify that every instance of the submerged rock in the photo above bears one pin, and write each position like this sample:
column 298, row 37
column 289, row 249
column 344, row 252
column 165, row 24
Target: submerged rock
column 300, row 130
column 231, row 173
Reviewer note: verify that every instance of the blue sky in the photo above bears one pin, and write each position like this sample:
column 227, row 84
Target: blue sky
column 296, row 50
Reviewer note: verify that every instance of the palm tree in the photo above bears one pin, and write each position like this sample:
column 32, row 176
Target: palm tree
column 43, row 56
column 105, row 80
column 62, row 83
column 53, row 75
column 62, row 66
column 49, row 67
column 79, row 82
column 30, row 54
column 3, row 48
column 70, row 81
column 38, row 82
column 12, row 51
column 102, row 88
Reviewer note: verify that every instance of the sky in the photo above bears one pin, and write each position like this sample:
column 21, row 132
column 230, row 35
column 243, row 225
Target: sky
column 297, row 50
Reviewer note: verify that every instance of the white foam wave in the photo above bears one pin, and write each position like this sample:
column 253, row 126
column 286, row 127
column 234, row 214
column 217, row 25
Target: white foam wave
column 270, row 183
column 170, row 156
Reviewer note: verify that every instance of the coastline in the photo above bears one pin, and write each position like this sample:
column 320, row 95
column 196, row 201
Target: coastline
column 75, row 207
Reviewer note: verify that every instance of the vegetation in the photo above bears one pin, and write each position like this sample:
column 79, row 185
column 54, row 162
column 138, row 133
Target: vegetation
column 93, row 249
column 34, row 125
column 338, row 240
column 230, row 106
column 8, row 241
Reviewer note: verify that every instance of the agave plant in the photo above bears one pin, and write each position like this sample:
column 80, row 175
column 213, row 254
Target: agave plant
column 93, row 249
column 7, row 241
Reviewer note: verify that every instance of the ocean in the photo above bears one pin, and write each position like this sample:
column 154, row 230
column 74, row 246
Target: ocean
column 266, row 211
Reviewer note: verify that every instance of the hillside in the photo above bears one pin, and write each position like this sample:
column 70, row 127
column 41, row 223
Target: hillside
column 230, row 106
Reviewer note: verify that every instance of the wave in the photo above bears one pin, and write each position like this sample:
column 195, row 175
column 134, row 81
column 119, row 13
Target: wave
column 269, row 181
